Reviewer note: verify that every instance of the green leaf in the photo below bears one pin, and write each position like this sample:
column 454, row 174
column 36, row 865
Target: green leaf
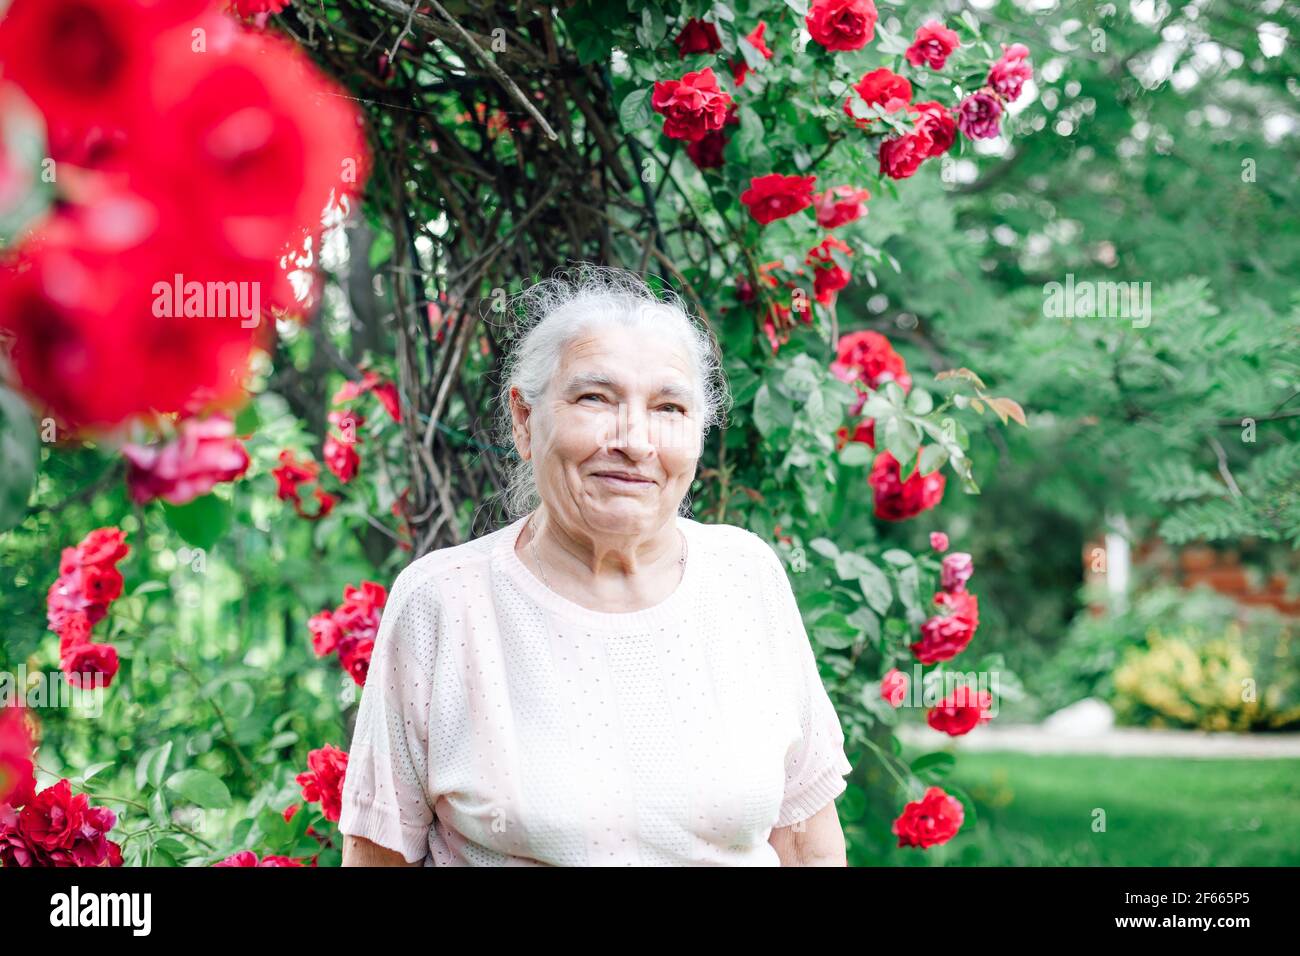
column 236, row 700
column 932, row 458
column 152, row 765
column 95, row 768
column 875, row 588
column 772, row 410
column 902, row 439
column 636, row 112
column 201, row 788
column 919, row 402
column 937, row 764
column 18, row 451
column 201, row 522
column 855, row 454
column 825, row 547
column 158, row 809
column 798, row 6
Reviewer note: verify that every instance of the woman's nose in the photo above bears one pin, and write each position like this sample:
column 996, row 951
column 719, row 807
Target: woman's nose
column 633, row 435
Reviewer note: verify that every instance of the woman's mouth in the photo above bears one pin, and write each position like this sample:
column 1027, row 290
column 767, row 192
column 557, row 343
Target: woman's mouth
column 620, row 480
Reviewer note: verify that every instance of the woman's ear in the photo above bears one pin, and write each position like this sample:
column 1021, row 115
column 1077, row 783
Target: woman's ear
column 522, row 428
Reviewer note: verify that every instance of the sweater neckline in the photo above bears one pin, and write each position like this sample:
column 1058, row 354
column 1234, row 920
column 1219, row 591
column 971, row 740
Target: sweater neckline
column 666, row 610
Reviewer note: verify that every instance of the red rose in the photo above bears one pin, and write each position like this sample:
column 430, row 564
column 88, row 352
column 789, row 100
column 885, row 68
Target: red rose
column 960, row 604
column 932, row 820
column 279, row 861
column 883, row 88
column 697, row 37
column 15, row 849
column 101, row 584
column 706, row 152
column 943, row 638
column 386, row 392
column 52, row 818
column 960, row 712
column 341, row 458
column 95, row 337
column 932, row 45
column 774, row 196
column 1009, row 73
column 86, row 61
column 75, row 630
column 893, row 687
column 898, row 500
column 325, row 633
column 356, row 661
column 17, row 783
column 867, row 360
column 242, row 858
column 901, row 156
column 691, row 106
column 829, row 276
column 323, row 781
column 85, row 660
column 740, row 68
column 266, row 133
column 936, row 122
column 103, row 546
column 290, row 474
column 204, row 453
column 840, row 205
column 842, row 24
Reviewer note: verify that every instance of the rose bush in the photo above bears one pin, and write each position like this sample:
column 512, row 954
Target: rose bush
column 720, row 144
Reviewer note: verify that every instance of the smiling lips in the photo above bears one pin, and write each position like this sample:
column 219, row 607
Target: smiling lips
column 624, row 477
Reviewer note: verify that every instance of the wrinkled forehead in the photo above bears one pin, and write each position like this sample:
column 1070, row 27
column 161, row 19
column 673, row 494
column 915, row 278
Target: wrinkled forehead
column 626, row 356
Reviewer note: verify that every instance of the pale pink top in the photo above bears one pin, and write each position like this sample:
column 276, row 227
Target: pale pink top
column 503, row 724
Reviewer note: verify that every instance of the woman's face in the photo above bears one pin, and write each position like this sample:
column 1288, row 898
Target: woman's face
column 615, row 440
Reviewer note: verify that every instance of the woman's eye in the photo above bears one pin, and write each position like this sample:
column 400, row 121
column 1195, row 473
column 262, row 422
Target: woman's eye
column 590, row 395
column 670, row 407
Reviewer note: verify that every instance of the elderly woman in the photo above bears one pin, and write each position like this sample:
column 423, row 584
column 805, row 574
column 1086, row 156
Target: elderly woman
column 604, row 681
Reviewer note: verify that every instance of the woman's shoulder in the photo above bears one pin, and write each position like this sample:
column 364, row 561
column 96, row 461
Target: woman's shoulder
column 427, row 575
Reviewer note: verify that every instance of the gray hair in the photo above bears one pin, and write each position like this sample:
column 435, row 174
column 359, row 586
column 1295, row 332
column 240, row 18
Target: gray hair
column 550, row 314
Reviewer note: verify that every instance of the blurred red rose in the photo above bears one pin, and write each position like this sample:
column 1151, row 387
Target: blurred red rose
column 961, row 711
column 932, row 45
column 775, row 196
column 691, row 106
column 842, row 24
column 323, row 781
column 901, row 156
column 840, row 205
column 932, row 820
column 883, row 88
column 935, row 121
column 898, row 500
column 203, row 453
column 697, row 37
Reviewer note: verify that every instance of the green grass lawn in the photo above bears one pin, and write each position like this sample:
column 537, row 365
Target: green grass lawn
column 1159, row 811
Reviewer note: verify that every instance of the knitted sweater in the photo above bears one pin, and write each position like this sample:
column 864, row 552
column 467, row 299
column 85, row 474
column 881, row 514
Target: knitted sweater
column 502, row 724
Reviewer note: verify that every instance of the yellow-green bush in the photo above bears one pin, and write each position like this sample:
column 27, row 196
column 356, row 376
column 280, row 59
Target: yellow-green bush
column 1192, row 678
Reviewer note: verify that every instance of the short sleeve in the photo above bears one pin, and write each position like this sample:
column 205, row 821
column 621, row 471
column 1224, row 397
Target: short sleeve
column 385, row 789
column 815, row 766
